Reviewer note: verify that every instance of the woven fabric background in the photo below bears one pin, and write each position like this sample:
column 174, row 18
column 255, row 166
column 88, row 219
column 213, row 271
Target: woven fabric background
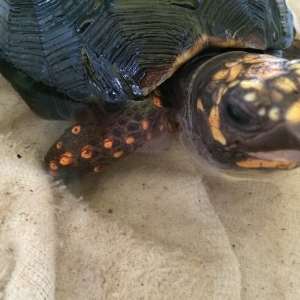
column 153, row 226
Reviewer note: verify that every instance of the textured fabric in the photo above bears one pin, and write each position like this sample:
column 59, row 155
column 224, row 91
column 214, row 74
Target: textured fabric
column 295, row 7
column 153, row 226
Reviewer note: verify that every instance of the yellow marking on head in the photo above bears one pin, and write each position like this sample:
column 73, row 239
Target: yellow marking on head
column 97, row 169
column 76, row 129
column 249, row 84
column 53, row 165
column 118, row 154
column 218, row 135
column 274, row 114
column 145, row 124
column 221, row 75
column 262, row 112
column 293, row 66
column 234, row 72
column 66, row 158
column 297, row 72
column 293, row 113
column 220, row 94
column 285, row 84
column 87, row 151
column 108, row 143
column 214, row 120
column 129, row 140
column 248, row 57
column 232, row 63
column 264, row 59
column 233, row 83
column 249, row 97
column 254, row 163
column 277, row 96
column 224, row 91
column 59, row 145
column 199, row 104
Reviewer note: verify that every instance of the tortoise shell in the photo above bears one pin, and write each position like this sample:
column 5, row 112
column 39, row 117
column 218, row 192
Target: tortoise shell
column 181, row 61
column 67, row 58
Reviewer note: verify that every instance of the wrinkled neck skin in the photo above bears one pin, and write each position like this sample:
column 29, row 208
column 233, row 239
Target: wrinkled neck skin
column 240, row 111
column 186, row 105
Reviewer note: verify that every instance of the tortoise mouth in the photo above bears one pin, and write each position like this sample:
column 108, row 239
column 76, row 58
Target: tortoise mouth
column 280, row 159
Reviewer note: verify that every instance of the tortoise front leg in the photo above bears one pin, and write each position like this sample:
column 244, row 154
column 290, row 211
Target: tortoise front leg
column 88, row 148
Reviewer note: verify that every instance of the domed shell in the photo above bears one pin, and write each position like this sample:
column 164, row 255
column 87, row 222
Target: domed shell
column 67, row 57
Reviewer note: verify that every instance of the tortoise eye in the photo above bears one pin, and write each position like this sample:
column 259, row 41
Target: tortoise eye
column 238, row 116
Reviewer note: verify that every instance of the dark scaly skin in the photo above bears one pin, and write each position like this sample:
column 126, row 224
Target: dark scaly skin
column 88, row 148
column 239, row 110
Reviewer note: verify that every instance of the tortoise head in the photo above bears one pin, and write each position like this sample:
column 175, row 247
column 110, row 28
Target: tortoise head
column 257, row 24
column 243, row 111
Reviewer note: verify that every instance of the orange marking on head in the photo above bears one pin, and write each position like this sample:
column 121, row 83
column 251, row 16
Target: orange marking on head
column 53, row 165
column 59, row 145
column 76, row 129
column 108, row 143
column 118, row 154
column 214, row 120
column 129, row 140
column 66, row 159
column 254, row 163
column 145, row 124
column 157, row 101
column 87, row 151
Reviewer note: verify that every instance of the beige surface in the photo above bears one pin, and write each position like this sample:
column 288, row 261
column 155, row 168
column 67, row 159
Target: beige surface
column 154, row 226
column 295, row 7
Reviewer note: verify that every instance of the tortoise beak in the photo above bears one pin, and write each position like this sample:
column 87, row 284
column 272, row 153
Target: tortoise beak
column 282, row 149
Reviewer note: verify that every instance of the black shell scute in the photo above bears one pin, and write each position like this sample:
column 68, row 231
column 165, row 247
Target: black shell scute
column 99, row 47
column 63, row 54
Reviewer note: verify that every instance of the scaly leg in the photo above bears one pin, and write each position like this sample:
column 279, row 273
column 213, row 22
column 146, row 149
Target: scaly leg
column 88, row 148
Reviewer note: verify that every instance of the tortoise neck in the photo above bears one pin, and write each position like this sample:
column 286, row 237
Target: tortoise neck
column 174, row 90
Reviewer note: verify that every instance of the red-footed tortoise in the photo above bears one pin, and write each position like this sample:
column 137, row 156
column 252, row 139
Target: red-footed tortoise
column 127, row 69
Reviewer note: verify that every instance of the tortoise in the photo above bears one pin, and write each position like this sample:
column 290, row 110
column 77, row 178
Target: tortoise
column 125, row 70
